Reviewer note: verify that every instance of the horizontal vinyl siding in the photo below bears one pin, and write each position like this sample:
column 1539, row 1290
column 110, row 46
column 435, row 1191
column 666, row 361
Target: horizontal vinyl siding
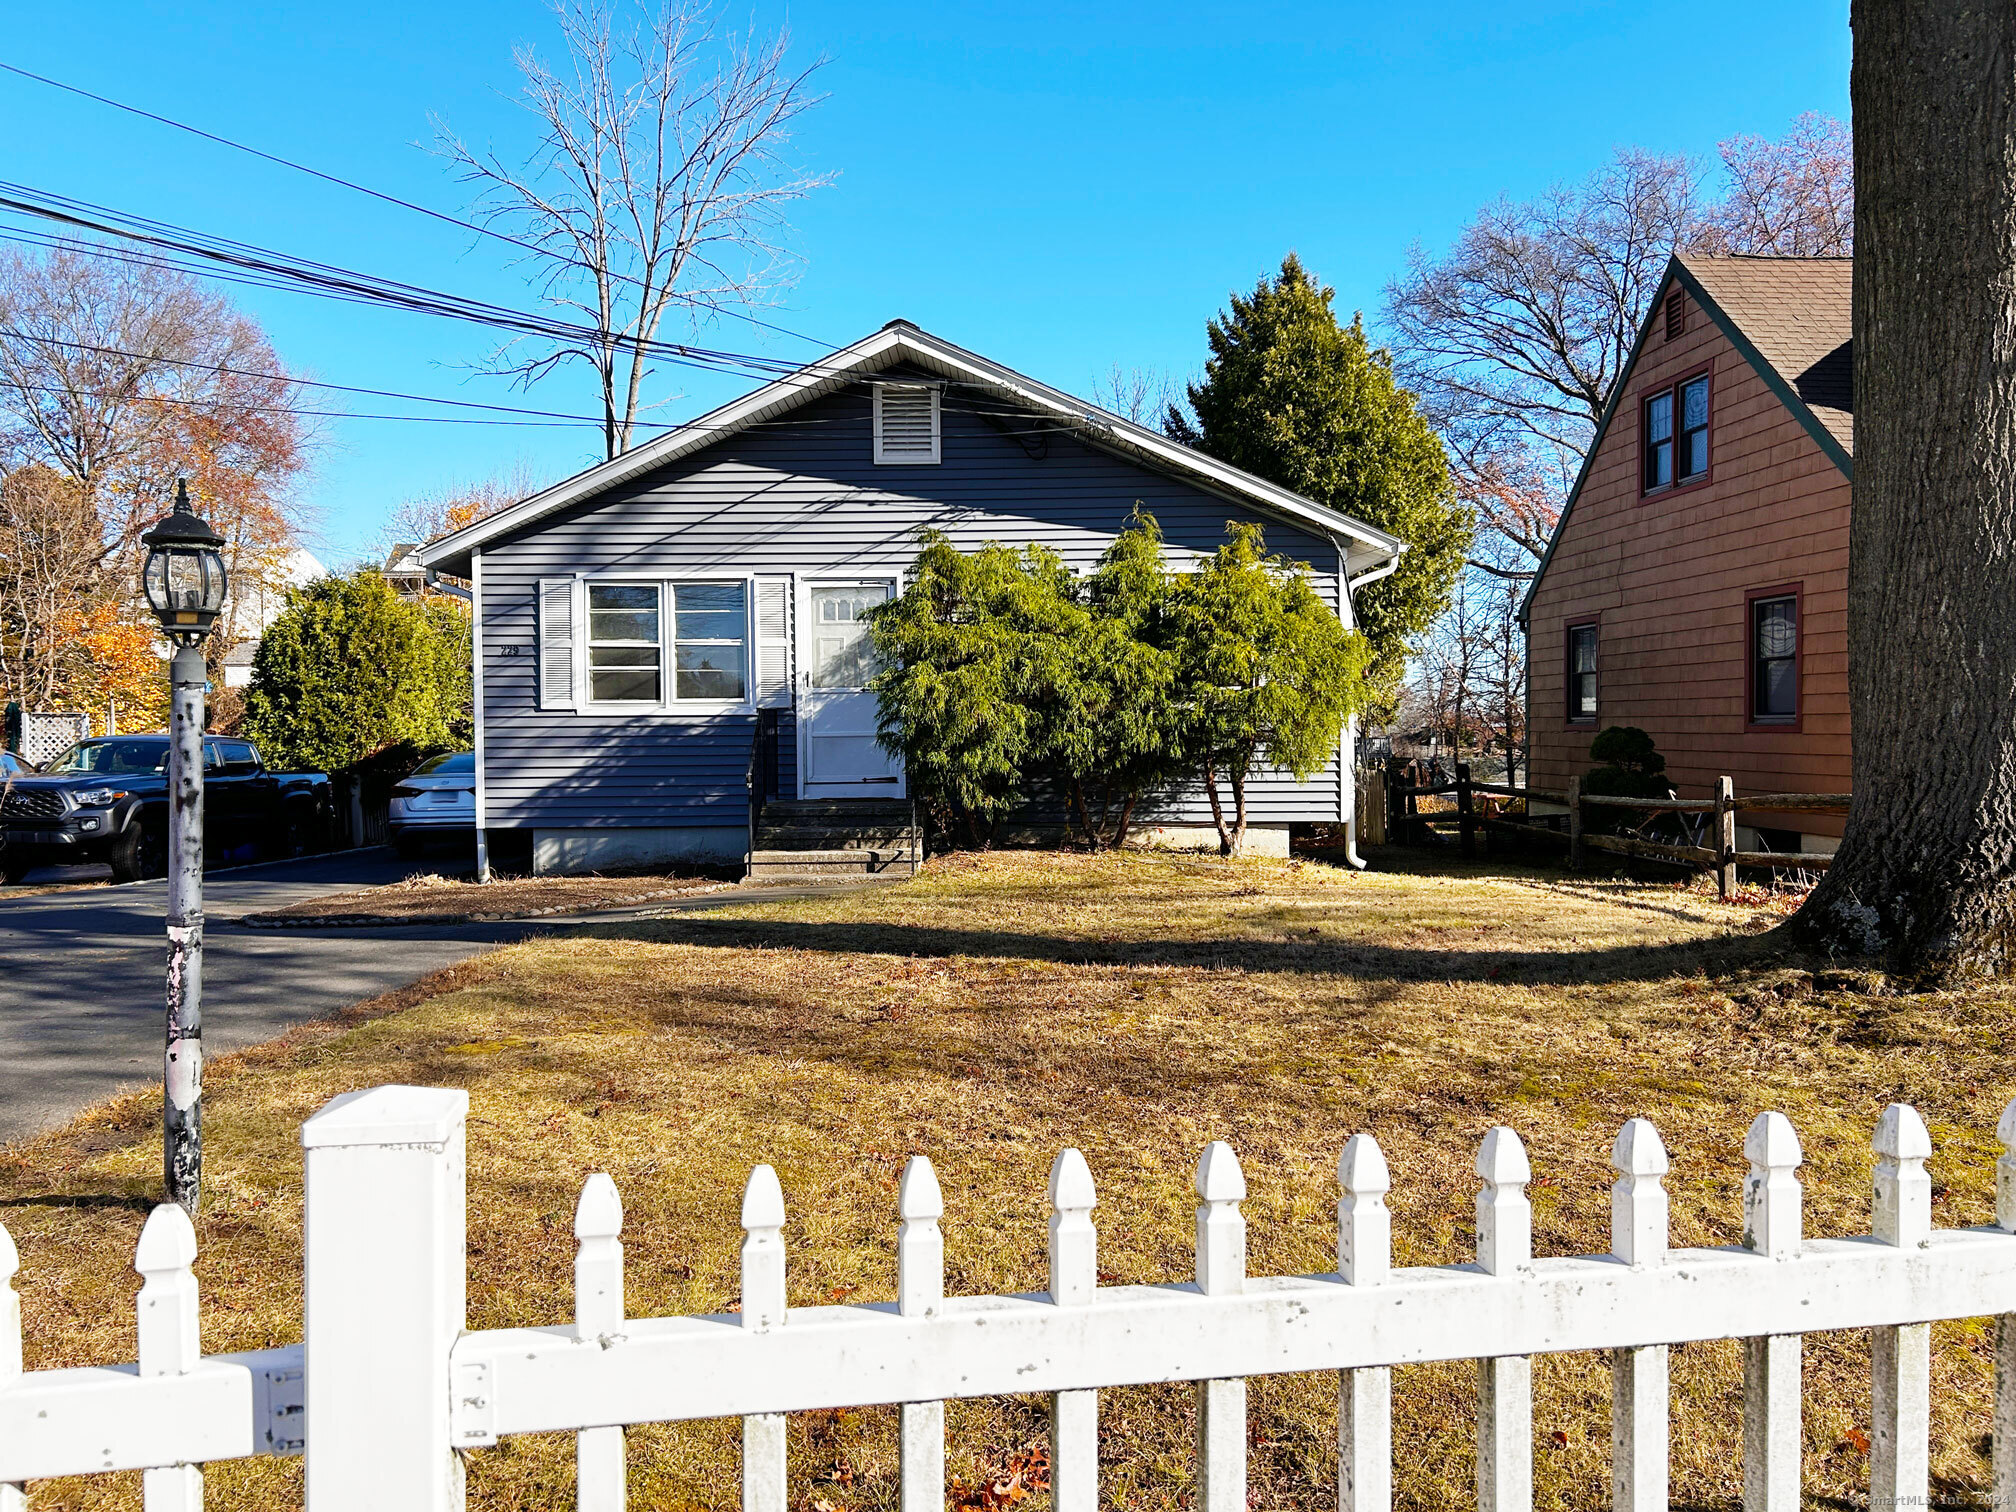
column 1668, row 577
column 803, row 496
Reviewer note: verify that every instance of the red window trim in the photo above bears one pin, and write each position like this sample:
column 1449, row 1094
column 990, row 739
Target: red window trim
column 1668, row 490
column 1573, row 720
column 1752, row 725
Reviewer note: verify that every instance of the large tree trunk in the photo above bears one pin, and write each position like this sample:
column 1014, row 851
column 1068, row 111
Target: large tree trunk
column 1927, row 870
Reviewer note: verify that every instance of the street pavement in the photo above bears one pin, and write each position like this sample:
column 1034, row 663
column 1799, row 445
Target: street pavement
column 81, row 1008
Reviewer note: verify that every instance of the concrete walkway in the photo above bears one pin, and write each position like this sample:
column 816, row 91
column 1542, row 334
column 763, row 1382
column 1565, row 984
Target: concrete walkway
column 81, row 972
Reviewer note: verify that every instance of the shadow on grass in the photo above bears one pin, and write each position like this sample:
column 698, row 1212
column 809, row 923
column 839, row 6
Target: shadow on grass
column 1317, row 957
column 112, row 1200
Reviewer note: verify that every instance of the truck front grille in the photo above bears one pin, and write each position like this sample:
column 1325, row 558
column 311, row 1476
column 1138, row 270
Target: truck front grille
column 32, row 803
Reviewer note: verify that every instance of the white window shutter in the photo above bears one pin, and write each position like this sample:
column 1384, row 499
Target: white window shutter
column 773, row 643
column 556, row 643
column 906, row 423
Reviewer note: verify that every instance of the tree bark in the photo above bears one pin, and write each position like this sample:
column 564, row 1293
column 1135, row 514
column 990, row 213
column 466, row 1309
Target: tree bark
column 1217, row 811
column 1926, row 876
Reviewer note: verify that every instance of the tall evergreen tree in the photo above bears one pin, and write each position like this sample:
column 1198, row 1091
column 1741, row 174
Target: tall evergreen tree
column 1292, row 396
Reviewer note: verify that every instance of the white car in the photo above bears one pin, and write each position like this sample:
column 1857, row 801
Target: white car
column 437, row 801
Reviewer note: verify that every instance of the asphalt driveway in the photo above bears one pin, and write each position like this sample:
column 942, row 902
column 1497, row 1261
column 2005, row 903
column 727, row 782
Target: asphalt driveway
column 81, row 972
column 81, row 976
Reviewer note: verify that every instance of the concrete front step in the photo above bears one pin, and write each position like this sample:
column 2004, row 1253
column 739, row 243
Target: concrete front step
column 836, row 864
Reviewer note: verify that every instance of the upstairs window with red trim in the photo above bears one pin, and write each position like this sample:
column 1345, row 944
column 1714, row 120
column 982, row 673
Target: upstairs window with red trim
column 1676, row 435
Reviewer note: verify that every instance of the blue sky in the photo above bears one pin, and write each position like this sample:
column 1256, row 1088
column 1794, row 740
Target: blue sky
column 1061, row 187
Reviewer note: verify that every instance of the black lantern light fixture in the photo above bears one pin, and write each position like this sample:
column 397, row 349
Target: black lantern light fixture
column 184, row 577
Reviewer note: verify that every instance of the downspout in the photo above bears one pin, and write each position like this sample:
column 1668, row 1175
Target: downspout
column 1351, row 587
column 476, row 697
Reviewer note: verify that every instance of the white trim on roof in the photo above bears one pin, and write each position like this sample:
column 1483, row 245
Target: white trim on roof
column 900, row 341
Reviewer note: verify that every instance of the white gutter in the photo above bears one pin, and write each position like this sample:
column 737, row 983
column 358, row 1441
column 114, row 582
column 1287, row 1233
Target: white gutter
column 1350, row 771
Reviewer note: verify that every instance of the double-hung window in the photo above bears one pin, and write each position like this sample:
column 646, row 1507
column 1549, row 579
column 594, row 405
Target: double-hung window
column 1582, row 674
column 710, row 641
column 1676, row 435
column 632, row 658
column 1774, row 658
column 625, row 648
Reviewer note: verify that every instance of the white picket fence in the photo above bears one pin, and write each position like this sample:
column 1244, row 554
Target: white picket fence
column 395, row 1386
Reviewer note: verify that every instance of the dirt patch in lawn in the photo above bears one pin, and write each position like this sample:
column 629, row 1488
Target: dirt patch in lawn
column 998, row 1008
column 431, row 898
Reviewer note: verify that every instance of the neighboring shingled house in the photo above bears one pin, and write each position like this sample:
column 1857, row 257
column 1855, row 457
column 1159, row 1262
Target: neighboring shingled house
column 1697, row 584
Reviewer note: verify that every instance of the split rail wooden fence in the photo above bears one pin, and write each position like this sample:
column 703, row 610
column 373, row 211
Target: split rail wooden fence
column 1722, row 858
column 390, row 1386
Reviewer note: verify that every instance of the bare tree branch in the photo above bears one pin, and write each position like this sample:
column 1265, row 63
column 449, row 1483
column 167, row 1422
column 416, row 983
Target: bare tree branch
column 658, row 179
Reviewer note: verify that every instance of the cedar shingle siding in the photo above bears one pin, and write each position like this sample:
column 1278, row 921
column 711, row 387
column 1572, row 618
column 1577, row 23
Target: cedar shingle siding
column 1668, row 574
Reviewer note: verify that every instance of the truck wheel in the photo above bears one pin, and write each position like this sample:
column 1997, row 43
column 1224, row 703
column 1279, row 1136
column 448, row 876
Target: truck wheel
column 140, row 853
column 14, row 873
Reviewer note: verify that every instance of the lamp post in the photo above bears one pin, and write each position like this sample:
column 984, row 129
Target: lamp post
column 184, row 582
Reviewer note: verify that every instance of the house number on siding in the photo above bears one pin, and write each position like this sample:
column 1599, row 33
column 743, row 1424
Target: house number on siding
column 507, row 650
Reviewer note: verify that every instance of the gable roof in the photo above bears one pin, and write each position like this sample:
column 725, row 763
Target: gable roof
column 1790, row 319
column 1793, row 313
column 1367, row 548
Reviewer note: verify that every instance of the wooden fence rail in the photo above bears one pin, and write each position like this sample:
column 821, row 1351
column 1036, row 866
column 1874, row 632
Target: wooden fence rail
column 392, row 1385
column 1722, row 858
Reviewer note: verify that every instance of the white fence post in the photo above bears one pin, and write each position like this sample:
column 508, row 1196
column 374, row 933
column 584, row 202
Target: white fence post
column 171, row 1339
column 1221, row 1272
column 13, row 1498
column 763, row 1452
column 920, row 1293
column 383, row 1296
column 1771, row 1228
column 1640, row 1410
column 1364, row 1397
column 1074, row 1277
column 1504, row 1385
column 1900, row 1447
column 2003, row 1425
column 598, row 1318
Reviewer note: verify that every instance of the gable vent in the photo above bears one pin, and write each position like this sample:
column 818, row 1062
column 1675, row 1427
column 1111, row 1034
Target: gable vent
column 1676, row 315
column 906, row 422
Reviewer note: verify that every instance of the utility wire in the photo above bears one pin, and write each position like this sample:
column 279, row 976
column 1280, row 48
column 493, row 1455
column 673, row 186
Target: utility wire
column 331, row 178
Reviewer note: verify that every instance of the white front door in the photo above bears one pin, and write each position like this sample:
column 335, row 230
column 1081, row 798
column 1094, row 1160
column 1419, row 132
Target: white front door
column 838, row 756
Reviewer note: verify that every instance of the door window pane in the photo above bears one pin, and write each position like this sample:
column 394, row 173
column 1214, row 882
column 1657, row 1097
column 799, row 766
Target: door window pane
column 843, row 652
column 623, row 661
column 710, row 640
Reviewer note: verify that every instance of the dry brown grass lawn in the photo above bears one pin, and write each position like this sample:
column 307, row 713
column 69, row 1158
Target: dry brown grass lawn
column 430, row 895
column 999, row 1008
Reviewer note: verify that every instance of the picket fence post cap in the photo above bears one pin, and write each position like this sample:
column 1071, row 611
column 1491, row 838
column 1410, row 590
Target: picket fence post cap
column 1501, row 1159
column 1219, row 1178
column 2005, row 1128
column 1639, row 1151
column 1772, row 1143
column 1071, row 1186
column 599, row 1213
column 1901, row 1134
column 918, row 1196
column 1361, row 1168
column 763, row 1200
column 392, row 1115
column 167, row 1242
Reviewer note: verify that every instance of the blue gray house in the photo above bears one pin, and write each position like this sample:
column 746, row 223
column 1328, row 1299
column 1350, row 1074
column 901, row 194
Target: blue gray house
column 661, row 633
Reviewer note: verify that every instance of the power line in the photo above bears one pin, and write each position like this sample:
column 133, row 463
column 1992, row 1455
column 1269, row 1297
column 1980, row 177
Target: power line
column 331, row 178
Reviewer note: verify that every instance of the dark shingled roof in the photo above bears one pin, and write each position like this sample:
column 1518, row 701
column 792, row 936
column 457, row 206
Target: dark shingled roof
column 1795, row 311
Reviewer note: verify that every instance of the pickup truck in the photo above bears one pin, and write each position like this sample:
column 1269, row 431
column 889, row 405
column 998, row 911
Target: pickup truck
column 107, row 800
